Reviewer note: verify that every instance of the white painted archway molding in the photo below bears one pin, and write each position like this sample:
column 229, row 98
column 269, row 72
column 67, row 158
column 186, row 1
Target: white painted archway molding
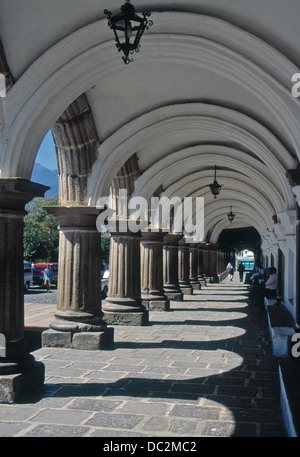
column 189, row 160
column 248, row 204
column 249, row 212
column 238, row 199
column 224, row 225
column 246, row 214
column 76, row 63
column 195, row 184
column 197, row 118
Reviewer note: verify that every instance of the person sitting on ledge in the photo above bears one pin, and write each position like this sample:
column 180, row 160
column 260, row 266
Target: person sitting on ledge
column 271, row 283
column 269, row 289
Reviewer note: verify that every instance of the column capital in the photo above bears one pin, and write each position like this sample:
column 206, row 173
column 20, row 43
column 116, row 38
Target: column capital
column 16, row 192
column 172, row 238
column 182, row 243
column 75, row 217
column 153, row 236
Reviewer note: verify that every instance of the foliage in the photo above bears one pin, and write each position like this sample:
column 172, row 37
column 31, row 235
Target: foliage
column 105, row 245
column 41, row 235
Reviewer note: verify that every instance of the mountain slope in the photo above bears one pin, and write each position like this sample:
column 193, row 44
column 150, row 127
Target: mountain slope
column 43, row 175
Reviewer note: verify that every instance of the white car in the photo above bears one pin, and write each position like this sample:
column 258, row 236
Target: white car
column 27, row 276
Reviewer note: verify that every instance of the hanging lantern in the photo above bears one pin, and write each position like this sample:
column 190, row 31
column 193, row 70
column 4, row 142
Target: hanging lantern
column 215, row 187
column 230, row 215
column 128, row 28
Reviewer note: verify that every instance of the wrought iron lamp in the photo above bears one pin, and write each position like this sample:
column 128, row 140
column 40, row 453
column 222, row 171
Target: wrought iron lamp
column 128, row 28
column 231, row 215
column 215, row 187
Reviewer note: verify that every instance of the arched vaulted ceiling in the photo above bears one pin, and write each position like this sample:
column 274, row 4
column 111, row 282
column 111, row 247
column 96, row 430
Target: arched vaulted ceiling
column 211, row 86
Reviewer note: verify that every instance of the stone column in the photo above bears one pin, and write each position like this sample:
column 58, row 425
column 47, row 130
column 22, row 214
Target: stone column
column 152, row 290
column 19, row 372
column 184, row 268
column 206, row 262
column 193, row 253
column 78, row 320
column 213, row 263
column 123, row 305
column 201, row 279
column 170, row 265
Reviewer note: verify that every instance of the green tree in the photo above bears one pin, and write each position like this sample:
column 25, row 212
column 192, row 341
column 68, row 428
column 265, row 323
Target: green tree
column 41, row 235
column 105, row 245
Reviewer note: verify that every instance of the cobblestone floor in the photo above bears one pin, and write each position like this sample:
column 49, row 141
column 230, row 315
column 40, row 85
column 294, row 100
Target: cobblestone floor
column 203, row 369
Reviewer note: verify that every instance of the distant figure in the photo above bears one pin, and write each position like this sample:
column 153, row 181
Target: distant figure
column 230, row 269
column 48, row 277
column 241, row 269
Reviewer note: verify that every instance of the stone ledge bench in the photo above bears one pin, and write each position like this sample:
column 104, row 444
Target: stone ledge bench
column 289, row 374
column 281, row 327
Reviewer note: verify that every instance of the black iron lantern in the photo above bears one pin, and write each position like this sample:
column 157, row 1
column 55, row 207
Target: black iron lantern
column 215, row 187
column 128, row 28
column 231, row 215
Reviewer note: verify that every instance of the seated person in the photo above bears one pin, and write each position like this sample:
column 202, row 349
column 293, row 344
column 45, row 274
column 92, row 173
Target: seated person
column 269, row 289
column 271, row 283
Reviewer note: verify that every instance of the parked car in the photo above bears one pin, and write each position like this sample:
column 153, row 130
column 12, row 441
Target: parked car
column 38, row 273
column 28, row 277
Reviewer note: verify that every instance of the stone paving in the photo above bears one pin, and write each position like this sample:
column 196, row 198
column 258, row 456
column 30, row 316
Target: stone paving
column 203, row 369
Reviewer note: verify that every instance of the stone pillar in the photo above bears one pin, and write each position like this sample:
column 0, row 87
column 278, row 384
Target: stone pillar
column 124, row 304
column 193, row 253
column 19, row 372
column 201, row 278
column 213, row 263
column 170, row 264
column 78, row 320
column 152, row 290
column 184, row 268
column 205, row 262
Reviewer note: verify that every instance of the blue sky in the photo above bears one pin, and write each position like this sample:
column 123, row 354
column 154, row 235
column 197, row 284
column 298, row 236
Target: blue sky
column 46, row 154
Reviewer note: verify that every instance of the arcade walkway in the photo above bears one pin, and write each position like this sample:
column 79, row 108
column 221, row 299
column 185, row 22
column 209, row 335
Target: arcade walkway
column 205, row 368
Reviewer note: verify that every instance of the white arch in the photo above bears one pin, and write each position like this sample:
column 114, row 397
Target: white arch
column 167, row 120
column 245, row 213
column 237, row 199
column 193, row 185
column 249, row 210
column 199, row 157
column 73, row 65
column 223, row 225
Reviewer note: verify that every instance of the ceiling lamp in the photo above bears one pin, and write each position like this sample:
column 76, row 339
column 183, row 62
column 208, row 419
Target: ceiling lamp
column 128, row 29
column 215, row 187
column 230, row 215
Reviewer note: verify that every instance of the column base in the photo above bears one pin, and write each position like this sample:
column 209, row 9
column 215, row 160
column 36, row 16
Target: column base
column 186, row 289
column 86, row 341
column 14, row 387
column 127, row 318
column 162, row 304
column 175, row 296
column 195, row 285
column 125, row 311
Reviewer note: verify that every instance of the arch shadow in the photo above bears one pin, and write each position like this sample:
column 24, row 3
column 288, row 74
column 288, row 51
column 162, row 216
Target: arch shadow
column 231, row 387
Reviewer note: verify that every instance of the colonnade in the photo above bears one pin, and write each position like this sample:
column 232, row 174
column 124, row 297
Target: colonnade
column 146, row 271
